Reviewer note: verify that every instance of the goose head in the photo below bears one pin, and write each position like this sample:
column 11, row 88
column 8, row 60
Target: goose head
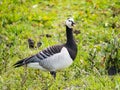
column 70, row 22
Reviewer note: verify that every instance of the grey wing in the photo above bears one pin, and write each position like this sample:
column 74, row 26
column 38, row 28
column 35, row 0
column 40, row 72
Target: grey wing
column 48, row 52
column 46, row 59
column 40, row 57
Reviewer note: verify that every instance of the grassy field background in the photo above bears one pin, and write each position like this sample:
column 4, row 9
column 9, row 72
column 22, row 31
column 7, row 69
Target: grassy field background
column 97, row 29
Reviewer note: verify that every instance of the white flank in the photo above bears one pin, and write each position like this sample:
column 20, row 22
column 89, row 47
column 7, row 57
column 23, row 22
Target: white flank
column 36, row 65
column 56, row 62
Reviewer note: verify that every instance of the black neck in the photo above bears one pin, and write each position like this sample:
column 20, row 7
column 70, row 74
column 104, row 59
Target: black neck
column 69, row 34
column 70, row 44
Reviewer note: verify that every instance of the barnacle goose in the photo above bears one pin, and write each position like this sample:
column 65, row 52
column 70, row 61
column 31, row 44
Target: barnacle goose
column 56, row 57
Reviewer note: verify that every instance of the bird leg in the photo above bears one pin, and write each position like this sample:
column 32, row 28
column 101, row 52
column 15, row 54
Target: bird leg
column 53, row 73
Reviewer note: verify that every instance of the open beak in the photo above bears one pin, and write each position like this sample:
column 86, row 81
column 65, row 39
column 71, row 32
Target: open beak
column 73, row 24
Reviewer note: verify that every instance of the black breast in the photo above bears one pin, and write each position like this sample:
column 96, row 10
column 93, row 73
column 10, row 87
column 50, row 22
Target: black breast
column 72, row 51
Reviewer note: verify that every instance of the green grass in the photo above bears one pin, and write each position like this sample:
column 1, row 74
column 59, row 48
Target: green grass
column 98, row 22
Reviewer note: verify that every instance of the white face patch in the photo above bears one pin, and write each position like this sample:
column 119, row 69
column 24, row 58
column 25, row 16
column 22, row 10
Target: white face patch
column 69, row 22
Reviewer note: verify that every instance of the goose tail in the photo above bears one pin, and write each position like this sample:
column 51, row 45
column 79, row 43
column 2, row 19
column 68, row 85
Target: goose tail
column 24, row 62
column 20, row 63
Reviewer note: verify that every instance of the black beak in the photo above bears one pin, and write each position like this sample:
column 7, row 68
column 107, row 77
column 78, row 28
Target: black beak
column 73, row 24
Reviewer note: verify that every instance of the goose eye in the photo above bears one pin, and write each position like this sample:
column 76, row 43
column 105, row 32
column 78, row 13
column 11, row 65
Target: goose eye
column 69, row 20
